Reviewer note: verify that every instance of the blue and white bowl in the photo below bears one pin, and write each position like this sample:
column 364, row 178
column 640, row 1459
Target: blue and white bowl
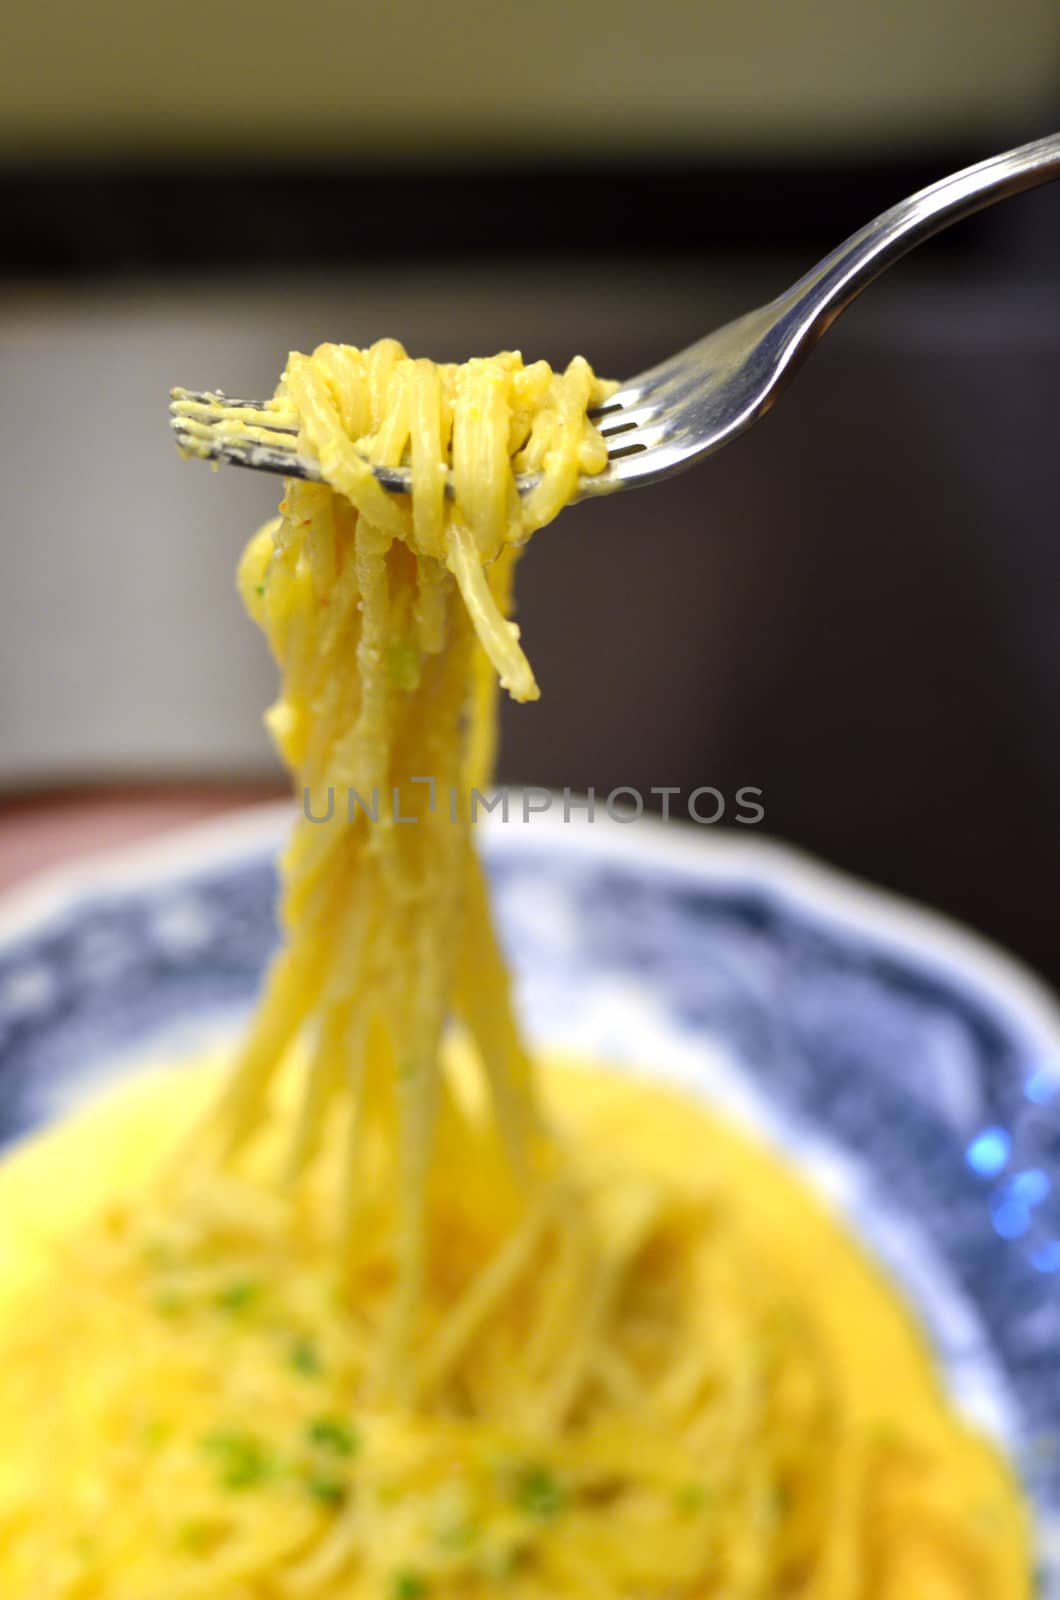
column 909, row 1069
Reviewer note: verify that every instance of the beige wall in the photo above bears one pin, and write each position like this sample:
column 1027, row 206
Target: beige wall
column 284, row 79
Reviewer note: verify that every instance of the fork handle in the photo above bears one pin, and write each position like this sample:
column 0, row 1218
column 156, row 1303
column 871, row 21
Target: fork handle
column 830, row 287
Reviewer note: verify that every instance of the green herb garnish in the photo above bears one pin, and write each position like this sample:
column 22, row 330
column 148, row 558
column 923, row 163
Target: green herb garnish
column 408, row 1585
column 328, row 1491
column 331, row 1433
column 539, row 1493
column 243, row 1462
column 690, row 1498
column 305, row 1358
column 239, row 1296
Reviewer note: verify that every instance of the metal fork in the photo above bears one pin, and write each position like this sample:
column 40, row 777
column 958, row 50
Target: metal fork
column 689, row 406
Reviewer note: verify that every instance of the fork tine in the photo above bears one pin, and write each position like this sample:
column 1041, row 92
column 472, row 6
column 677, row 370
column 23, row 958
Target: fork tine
column 636, row 390
column 216, row 398
column 651, row 383
column 625, row 418
column 282, row 460
column 203, row 425
column 215, row 410
column 192, row 433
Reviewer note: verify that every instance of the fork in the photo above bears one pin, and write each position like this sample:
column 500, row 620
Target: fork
column 689, row 406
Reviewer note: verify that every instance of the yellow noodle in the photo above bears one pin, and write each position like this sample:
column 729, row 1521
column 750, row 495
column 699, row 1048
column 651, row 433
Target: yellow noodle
column 394, row 1324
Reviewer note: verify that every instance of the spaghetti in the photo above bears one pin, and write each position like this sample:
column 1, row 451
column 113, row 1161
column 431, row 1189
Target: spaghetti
column 388, row 1327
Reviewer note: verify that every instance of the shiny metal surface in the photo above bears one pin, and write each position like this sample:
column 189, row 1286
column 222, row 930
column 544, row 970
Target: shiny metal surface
column 691, row 405
column 705, row 396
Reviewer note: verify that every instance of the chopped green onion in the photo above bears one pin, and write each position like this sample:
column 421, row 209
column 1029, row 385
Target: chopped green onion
column 331, row 1433
column 408, row 1585
column 243, row 1462
column 239, row 1295
column 539, row 1493
column 329, row 1491
column 690, row 1497
column 305, row 1358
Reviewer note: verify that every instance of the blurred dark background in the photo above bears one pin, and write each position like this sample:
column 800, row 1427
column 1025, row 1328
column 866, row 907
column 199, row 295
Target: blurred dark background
column 853, row 608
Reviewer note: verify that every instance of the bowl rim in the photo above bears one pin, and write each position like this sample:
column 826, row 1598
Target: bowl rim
column 820, row 892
